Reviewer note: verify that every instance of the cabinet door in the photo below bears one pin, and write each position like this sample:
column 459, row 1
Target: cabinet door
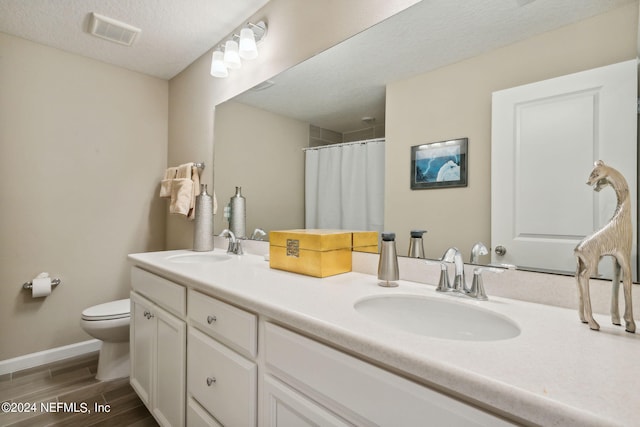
column 170, row 372
column 222, row 381
column 284, row 407
column 142, row 347
column 198, row 417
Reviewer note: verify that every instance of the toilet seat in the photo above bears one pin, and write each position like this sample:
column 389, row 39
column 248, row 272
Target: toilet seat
column 119, row 309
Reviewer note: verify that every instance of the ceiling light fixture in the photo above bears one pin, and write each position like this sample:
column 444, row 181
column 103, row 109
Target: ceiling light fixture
column 218, row 67
column 248, row 47
column 234, row 52
column 231, row 55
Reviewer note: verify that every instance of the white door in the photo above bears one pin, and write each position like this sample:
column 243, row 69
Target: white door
column 545, row 138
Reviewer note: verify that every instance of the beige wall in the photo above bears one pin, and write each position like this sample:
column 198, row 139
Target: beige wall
column 455, row 101
column 297, row 30
column 82, row 145
column 273, row 165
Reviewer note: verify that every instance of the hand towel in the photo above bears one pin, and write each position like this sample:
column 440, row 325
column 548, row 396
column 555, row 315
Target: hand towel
column 195, row 177
column 182, row 190
column 165, row 184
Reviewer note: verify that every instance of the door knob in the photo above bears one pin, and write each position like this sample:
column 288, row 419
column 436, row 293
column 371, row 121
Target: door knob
column 500, row 250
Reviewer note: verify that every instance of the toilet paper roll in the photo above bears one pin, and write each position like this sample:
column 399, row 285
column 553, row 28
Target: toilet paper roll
column 41, row 287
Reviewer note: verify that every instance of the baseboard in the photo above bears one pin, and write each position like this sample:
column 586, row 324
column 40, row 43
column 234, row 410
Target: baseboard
column 47, row 356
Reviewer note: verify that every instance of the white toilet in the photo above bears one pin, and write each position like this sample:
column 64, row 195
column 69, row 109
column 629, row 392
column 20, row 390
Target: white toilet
column 109, row 322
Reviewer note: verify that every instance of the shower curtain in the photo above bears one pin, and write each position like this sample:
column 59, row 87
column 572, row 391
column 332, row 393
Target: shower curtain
column 344, row 186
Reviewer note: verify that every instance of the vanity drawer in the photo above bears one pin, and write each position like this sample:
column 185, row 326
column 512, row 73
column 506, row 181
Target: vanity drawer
column 163, row 292
column 235, row 327
column 361, row 391
column 221, row 380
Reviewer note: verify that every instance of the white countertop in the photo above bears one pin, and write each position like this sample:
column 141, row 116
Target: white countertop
column 557, row 372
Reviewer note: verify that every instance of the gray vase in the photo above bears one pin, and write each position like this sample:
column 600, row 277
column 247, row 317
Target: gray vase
column 203, row 229
column 238, row 215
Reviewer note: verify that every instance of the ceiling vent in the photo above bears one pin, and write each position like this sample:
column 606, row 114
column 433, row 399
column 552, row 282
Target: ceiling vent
column 112, row 30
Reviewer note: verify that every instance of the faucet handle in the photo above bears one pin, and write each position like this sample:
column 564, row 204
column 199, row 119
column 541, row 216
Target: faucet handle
column 238, row 247
column 477, row 287
column 443, row 283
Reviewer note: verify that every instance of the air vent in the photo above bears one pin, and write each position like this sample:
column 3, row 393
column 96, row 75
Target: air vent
column 112, row 30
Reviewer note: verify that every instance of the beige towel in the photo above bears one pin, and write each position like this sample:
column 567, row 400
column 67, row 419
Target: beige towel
column 165, row 184
column 195, row 177
column 182, row 190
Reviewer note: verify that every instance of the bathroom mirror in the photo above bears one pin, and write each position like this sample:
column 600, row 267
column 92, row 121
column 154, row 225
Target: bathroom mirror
column 358, row 78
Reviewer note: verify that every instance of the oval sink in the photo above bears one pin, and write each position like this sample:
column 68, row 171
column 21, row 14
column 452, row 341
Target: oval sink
column 437, row 318
column 199, row 258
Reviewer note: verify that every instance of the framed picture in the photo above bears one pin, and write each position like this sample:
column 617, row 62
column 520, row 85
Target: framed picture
column 439, row 164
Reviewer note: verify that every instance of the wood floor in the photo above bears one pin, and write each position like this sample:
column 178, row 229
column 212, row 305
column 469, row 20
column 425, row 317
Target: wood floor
column 66, row 393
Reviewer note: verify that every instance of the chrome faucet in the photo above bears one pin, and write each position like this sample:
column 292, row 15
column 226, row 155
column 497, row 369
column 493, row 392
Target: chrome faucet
column 477, row 250
column 459, row 283
column 455, row 256
column 235, row 245
column 258, row 234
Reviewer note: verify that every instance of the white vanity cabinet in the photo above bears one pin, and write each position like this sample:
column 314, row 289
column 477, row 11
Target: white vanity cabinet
column 286, row 407
column 349, row 390
column 158, row 345
column 222, row 375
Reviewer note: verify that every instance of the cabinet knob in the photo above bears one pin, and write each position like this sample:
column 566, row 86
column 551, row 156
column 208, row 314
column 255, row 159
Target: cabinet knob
column 211, row 319
column 210, row 381
column 147, row 314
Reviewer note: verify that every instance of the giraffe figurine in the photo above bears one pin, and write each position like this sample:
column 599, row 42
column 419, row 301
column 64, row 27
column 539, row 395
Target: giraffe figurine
column 613, row 239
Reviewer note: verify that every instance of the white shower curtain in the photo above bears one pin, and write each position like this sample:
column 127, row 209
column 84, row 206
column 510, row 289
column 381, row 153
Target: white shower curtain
column 344, row 186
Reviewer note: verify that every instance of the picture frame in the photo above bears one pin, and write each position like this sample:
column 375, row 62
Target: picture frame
column 440, row 164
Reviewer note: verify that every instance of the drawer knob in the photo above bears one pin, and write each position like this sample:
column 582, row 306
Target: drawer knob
column 210, row 381
column 211, row 319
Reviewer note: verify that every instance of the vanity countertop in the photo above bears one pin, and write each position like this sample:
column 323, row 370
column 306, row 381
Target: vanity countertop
column 557, row 372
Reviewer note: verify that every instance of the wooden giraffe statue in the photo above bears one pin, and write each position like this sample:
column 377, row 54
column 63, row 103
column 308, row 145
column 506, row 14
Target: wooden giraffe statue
column 614, row 239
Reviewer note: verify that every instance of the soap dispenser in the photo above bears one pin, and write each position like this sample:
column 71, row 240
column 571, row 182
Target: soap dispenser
column 388, row 263
column 416, row 248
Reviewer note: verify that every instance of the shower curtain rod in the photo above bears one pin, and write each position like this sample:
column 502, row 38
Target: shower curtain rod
column 364, row 141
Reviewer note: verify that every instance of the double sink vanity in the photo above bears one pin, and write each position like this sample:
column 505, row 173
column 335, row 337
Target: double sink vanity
column 220, row 339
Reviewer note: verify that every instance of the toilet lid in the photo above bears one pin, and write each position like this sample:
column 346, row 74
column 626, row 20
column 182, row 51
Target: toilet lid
column 109, row 310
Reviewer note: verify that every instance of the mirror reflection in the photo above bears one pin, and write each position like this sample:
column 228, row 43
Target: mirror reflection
column 424, row 75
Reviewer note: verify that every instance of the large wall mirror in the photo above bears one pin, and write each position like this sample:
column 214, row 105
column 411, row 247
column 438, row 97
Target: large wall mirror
column 424, row 75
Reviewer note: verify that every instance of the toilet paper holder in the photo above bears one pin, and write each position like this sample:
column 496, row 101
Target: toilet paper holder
column 29, row 285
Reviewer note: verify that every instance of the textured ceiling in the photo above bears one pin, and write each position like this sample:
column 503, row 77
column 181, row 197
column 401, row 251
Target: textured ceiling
column 338, row 87
column 174, row 32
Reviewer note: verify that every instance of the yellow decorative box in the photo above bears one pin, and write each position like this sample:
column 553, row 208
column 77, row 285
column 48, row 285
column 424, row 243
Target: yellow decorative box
column 365, row 241
column 318, row 253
